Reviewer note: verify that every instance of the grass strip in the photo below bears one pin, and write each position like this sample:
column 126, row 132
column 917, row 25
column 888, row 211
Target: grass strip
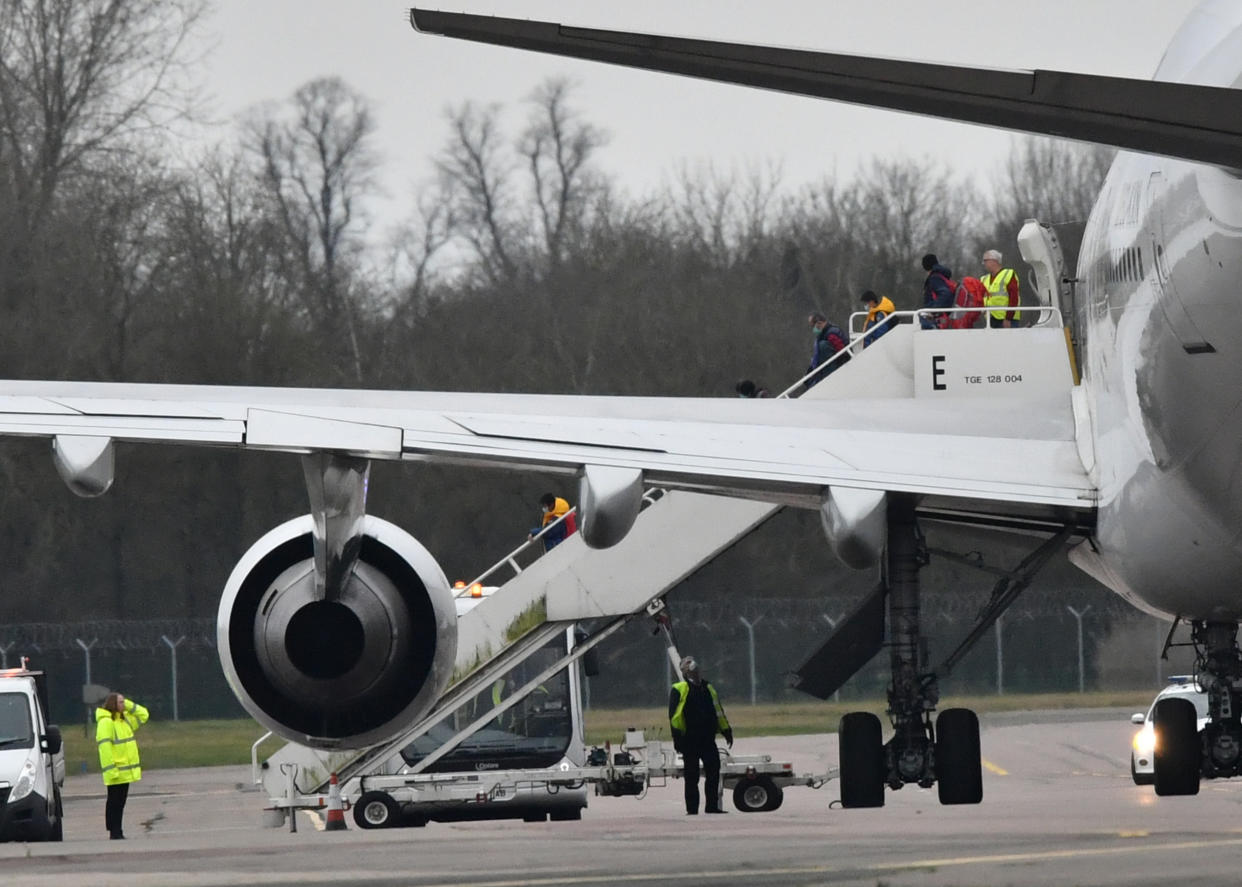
column 168, row 744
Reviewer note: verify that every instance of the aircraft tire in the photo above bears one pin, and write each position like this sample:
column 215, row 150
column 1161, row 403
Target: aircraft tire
column 959, row 771
column 862, row 760
column 1176, row 757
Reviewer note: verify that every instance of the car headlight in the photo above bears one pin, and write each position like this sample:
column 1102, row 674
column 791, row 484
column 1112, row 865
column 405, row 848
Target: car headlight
column 25, row 782
column 1145, row 740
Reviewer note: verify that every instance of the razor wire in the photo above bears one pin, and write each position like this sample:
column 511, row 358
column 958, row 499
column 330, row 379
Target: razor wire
column 107, row 634
column 801, row 615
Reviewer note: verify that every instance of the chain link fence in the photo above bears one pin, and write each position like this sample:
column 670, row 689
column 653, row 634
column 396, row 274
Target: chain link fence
column 747, row 648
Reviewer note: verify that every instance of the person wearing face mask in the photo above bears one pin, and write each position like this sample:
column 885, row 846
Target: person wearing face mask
column 829, row 339
column 554, row 508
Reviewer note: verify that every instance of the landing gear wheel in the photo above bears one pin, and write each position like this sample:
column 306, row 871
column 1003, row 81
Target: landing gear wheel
column 571, row 815
column 58, row 828
column 376, row 810
column 1177, row 747
column 757, row 795
column 959, row 771
column 1140, row 778
column 862, row 760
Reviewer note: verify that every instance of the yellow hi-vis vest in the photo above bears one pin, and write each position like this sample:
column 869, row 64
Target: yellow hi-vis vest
column 998, row 292
column 678, row 720
column 118, row 750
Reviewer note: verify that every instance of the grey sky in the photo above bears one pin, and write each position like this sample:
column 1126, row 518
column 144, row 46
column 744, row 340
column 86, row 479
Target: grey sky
column 266, row 50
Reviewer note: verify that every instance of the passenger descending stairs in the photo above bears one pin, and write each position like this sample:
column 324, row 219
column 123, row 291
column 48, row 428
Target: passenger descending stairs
column 674, row 535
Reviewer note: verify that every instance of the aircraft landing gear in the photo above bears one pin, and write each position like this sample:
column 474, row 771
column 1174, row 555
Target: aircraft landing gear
column 919, row 752
column 1184, row 753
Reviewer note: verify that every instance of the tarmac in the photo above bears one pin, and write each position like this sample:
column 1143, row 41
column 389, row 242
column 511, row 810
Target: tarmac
column 1059, row 809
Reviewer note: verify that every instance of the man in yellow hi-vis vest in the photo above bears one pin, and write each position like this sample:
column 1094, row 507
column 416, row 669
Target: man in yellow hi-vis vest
column 695, row 715
column 1002, row 286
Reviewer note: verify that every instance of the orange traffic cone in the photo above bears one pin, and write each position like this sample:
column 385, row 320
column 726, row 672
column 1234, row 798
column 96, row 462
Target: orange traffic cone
column 336, row 813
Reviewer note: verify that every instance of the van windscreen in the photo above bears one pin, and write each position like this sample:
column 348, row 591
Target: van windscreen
column 16, row 730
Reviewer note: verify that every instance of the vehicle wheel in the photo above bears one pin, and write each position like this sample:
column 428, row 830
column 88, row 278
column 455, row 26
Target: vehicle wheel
column 757, row 795
column 862, row 760
column 376, row 810
column 959, row 770
column 58, row 828
column 1140, row 778
column 573, row 814
column 1176, row 759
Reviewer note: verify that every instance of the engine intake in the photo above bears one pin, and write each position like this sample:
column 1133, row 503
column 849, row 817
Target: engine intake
column 343, row 673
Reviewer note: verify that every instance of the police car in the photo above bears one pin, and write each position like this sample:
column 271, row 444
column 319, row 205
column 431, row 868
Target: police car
column 1142, row 763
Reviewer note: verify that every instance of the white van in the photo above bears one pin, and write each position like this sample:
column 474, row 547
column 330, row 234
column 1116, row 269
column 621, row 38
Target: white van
column 32, row 760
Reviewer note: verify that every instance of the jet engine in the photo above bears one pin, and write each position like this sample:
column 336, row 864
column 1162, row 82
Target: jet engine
column 337, row 673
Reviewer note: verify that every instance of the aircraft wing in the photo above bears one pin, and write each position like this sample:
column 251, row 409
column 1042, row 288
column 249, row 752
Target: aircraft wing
column 984, row 456
column 1200, row 123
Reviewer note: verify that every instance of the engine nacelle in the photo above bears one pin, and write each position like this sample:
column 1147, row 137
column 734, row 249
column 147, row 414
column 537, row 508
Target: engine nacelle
column 344, row 673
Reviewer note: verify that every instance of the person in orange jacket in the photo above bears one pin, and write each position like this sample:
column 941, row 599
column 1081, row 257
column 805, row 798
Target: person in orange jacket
column 878, row 310
column 554, row 508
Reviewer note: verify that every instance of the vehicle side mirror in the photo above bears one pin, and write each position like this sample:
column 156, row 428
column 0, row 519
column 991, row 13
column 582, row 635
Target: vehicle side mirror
column 52, row 740
column 1138, row 718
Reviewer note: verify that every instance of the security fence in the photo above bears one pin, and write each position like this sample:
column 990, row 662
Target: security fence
column 1045, row 643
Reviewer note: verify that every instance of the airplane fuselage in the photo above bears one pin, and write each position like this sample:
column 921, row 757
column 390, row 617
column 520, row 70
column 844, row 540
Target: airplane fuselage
column 1159, row 293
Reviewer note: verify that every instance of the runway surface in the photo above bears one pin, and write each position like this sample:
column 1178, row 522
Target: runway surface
column 1059, row 809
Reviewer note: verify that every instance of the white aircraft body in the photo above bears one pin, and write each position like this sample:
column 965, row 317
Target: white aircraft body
column 1140, row 460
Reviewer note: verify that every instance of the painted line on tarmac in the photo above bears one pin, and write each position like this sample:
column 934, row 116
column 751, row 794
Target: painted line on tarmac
column 752, row 873
column 212, row 879
column 1040, row 855
column 993, row 768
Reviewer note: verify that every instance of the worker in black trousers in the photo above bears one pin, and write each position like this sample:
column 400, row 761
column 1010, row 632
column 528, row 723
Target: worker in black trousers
column 696, row 715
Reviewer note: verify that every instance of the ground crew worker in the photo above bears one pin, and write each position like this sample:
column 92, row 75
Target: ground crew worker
column 1002, row 285
column 696, row 715
column 115, row 723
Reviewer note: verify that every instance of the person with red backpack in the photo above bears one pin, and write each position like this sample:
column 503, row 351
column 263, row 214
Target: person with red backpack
column 938, row 292
column 829, row 339
column 969, row 293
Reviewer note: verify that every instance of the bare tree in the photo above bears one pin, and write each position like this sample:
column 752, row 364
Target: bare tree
column 480, row 181
column 318, row 169
column 1052, row 180
column 81, row 77
column 415, row 244
column 725, row 214
column 558, row 146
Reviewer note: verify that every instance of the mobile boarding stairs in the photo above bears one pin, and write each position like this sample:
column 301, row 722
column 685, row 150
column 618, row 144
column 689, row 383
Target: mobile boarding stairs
column 677, row 532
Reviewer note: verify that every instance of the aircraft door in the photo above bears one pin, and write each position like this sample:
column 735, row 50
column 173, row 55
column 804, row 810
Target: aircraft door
column 1175, row 312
